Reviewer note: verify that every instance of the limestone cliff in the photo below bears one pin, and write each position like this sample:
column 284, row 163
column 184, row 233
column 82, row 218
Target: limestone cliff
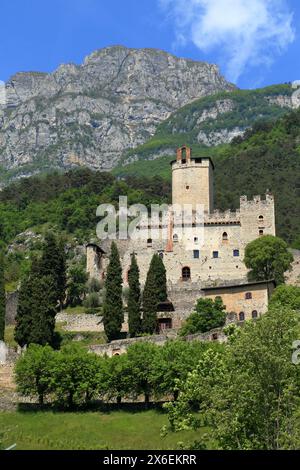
column 89, row 114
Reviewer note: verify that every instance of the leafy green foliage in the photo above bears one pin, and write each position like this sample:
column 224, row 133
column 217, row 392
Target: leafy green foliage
column 268, row 258
column 247, row 107
column 134, row 299
column 76, row 286
column 288, row 296
column 75, row 375
column 33, row 372
column 2, row 298
column 113, row 315
column 68, row 202
column 209, row 314
column 249, row 395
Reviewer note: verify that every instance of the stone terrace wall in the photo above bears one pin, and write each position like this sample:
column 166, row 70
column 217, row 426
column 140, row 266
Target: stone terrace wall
column 83, row 322
column 116, row 348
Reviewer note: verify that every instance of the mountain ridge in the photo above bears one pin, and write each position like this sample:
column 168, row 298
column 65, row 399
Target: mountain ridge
column 89, row 114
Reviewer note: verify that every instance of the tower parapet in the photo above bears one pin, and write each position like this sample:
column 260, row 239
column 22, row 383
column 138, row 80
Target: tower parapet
column 257, row 217
column 192, row 180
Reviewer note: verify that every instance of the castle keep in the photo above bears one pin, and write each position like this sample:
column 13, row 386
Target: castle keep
column 210, row 254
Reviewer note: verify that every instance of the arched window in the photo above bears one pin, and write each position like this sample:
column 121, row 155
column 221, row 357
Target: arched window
column 254, row 314
column 175, row 238
column 186, row 273
column 248, row 296
column 149, row 242
column 261, row 218
column 183, row 155
column 241, row 316
column 261, row 233
column 225, row 237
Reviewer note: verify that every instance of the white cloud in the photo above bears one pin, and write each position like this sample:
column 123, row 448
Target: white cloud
column 243, row 32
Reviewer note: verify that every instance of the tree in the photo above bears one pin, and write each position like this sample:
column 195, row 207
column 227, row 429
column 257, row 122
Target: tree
column 209, row 314
column 119, row 378
column 32, row 372
column 35, row 319
column 75, row 375
column 248, row 395
column 288, row 296
column 134, row 299
column 161, row 278
column 268, row 258
column 151, row 296
column 113, row 315
column 141, row 357
column 175, row 360
column 76, row 287
column 53, row 263
column 2, row 298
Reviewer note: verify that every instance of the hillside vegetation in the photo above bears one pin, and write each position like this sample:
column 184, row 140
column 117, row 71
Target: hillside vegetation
column 215, row 120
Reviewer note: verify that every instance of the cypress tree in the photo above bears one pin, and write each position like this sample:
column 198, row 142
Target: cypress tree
column 150, row 299
column 134, row 299
column 155, row 291
column 2, row 298
column 35, row 320
column 161, row 278
column 53, row 263
column 113, row 316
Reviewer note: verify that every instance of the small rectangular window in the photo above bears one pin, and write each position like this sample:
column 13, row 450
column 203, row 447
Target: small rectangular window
column 215, row 254
column 196, row 254
column 236, row 253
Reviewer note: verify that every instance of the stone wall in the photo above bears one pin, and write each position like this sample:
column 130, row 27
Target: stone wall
column 83, row 322
column 116, row 348
column 235, row 299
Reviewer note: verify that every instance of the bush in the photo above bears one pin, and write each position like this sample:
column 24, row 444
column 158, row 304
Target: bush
column 209, row 315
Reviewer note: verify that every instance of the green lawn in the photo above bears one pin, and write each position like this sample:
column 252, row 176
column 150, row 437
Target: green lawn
column 90, row 431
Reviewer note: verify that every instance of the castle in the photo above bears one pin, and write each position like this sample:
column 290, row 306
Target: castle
column 211, row 254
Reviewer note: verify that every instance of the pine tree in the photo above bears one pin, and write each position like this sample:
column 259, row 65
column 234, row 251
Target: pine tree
column 134, row 299
column 113, row 316
column 35, row 320
column 53, row 263
column 2, row 298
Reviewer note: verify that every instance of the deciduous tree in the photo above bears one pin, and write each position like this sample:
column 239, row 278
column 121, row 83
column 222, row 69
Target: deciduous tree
column 268, row 258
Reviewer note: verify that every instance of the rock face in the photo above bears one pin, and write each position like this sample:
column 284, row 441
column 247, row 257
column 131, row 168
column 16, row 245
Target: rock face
column 89, row 114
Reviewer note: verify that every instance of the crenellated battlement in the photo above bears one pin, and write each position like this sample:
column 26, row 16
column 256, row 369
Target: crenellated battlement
column 219, row 217
column 256, row 200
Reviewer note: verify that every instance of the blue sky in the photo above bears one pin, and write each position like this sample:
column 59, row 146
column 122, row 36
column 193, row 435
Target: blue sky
column 255, row 42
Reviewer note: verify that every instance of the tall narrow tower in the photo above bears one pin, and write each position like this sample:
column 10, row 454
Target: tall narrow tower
column 192, row 180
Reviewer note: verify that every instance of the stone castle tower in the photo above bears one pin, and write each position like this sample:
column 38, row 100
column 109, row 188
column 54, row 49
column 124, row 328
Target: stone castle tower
column 192, row 180
column 216, row 253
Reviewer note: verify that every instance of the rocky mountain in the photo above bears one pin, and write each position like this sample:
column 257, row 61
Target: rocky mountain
column 90, row 114
column 215, row 120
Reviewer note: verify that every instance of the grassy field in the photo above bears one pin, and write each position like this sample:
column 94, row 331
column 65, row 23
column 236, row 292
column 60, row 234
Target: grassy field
column 90, row 431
